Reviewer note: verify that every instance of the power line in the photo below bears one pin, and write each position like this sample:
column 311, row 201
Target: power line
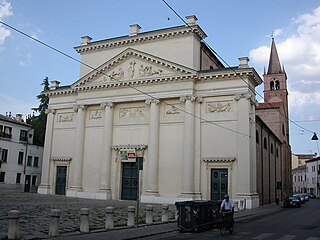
column 233, row 69
column 101, row 72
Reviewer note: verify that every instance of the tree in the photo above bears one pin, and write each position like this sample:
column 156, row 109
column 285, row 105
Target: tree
column 39, row 122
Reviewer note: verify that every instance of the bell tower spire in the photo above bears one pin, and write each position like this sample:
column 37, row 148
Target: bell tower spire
column 274, row 62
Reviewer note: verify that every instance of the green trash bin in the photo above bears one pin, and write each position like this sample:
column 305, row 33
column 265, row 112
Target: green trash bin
column 194, row 215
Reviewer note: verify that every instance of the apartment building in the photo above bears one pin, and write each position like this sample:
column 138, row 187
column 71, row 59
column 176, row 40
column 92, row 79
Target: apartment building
column 20, row 160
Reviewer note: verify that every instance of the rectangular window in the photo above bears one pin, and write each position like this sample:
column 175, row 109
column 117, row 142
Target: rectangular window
column 4, row 155
column 7, row 132
column 2, row 176
column 20, row 158
column 34, row 180
column 36, row 162
column 29, row 162
column 23, row 135
column 18, row 180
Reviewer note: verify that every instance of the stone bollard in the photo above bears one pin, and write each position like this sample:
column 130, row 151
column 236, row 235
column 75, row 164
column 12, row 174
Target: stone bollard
column 149, row 214
column 241, row 205
column 84, row 220
column 236, row 206
column 131, row 211
column 164, row 215
column 54, row 222
column 13, row 229
column 109, row 217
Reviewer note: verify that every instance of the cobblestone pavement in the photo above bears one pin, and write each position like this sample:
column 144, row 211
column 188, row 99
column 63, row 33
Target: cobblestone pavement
column 35, row 212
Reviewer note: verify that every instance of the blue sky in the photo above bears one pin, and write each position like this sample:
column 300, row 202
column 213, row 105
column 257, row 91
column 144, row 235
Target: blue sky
column 234, row 28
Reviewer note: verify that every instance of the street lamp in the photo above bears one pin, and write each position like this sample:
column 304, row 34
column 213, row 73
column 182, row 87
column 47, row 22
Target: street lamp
column 315, row 138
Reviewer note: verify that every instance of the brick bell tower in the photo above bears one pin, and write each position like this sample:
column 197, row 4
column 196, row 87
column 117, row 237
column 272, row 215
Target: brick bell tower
column 276, row 98
column 275, row 81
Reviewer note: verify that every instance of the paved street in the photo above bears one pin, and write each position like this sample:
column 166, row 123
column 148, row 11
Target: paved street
column 35, row 210
column 284, row 224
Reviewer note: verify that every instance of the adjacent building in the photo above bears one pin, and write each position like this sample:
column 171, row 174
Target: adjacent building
column 300, row 159
column 300, row 181
column 20, row 160
column 164, row 100
column 313, row 176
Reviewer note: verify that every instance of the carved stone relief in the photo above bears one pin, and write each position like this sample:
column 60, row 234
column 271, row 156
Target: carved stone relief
column 65, row 117
column 146, row 71
column 95, row 114
column 135, row 112
column 172, row 109
column 130, row 70
column 218, row 107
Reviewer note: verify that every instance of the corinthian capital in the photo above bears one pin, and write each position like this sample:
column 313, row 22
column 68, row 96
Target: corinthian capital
column 50, row 110
column 191, row 98
column 106, row 104
column 76, row 107
column 152, row 100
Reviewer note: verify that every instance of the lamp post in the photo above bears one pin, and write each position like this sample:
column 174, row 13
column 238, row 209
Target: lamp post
column 315, row 138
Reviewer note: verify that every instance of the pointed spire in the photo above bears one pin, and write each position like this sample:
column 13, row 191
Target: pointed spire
column 274, row 62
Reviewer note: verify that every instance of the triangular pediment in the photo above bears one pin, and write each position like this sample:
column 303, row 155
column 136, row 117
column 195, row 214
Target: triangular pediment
column 132, row 65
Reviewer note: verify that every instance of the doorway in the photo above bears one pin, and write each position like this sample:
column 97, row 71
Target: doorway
column 27, row 183
column 219, row 184
column 61, row 180
column 130, row 181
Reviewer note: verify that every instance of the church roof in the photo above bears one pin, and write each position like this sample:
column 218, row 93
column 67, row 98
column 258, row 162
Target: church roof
column 274, row 62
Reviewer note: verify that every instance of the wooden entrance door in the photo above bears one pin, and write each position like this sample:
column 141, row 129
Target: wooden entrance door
column 219, row 183
column 130, row 181
column 61, row 180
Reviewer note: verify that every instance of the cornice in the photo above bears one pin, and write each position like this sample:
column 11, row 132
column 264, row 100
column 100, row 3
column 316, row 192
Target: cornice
column 231, row 73
column 141, row 37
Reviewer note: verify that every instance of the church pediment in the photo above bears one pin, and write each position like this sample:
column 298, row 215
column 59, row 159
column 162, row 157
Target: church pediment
column 132, row 65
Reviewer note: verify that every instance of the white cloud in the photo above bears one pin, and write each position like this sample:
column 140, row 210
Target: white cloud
column 5, row 11
column 26, row 60
column 300, row 54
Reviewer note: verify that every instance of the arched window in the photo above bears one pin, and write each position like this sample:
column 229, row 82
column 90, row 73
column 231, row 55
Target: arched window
column 257, row 137
column 271, row 148
column 272, row 85
column 265, row 144
column 277, row 85
column 283, row 131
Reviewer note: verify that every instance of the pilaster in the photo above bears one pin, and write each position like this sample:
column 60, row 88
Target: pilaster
column 105, row 174
column 153, row 148
column 189, row 146
column 44, row 187
column 77, row 163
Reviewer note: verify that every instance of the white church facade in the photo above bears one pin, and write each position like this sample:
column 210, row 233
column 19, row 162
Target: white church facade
column 160, row 96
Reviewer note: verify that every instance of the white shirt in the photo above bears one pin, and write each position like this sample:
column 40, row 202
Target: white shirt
column 227, row 205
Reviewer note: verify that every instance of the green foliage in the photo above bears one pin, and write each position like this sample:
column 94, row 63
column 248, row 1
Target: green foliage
column 39, row 122
column 44, row 100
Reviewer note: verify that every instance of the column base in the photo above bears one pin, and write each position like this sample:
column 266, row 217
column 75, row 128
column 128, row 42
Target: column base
column 247, row 200
column 104, row 194
column 73, row 191
column 151, row 193
column 190, row 196
column 44, row 189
